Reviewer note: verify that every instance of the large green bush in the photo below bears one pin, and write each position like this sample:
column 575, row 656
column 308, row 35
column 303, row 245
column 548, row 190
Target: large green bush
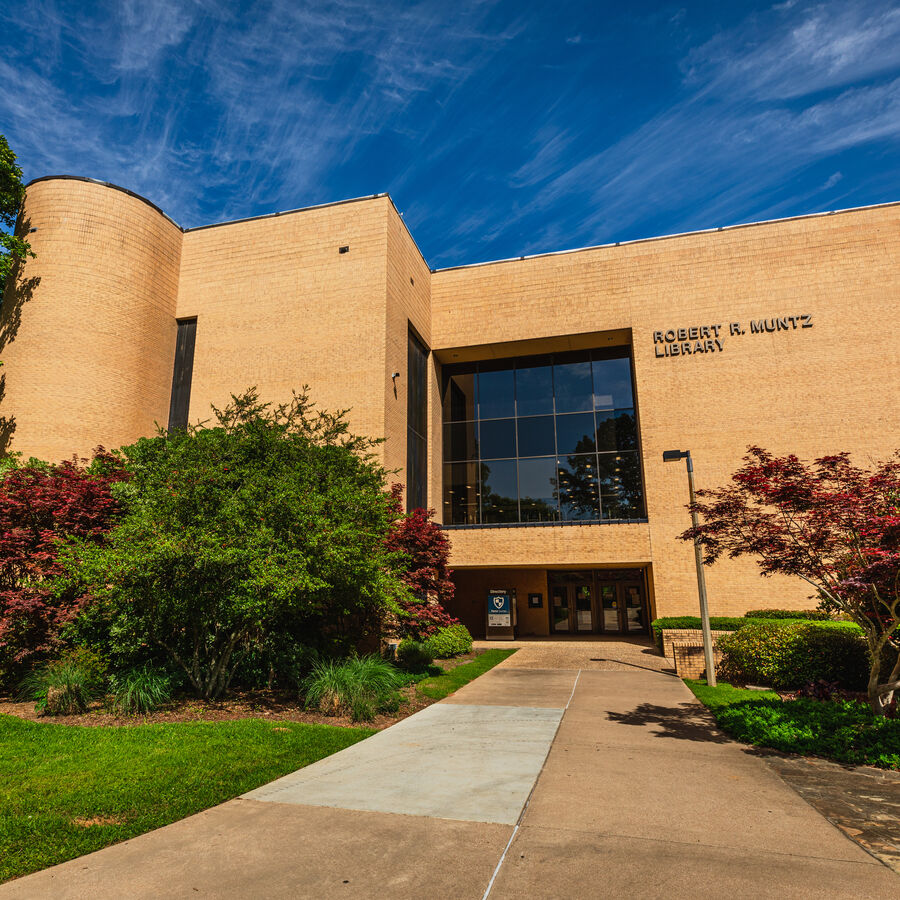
column 271, row 521
column 451, row 641
column 807, row 615
column 788, row 655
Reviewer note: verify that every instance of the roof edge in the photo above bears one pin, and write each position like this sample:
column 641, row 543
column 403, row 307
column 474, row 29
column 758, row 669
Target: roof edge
column 107, row 184
column 666, row 237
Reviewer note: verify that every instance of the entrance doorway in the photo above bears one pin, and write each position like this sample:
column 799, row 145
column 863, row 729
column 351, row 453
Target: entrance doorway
column 604, row 601
column 571, row 603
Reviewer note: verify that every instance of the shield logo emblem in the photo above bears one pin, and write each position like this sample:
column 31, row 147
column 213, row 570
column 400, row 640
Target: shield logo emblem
column 499, row 602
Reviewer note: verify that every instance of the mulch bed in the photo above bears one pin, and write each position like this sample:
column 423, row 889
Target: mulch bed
column 274, row 705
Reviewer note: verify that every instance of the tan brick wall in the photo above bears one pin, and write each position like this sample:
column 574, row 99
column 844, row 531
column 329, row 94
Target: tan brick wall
column 690, row 660
column 821, row 390
column 90, row 361
column 408, row 302
column 694, row 636
column 278, row 306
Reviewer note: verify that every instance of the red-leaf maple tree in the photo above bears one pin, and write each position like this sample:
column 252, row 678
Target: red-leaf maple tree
column 829, row 522
column 41, row 505
column 427, row 549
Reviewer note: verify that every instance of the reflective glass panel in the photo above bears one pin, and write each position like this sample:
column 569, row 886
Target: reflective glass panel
column 536, row 436
column 575, row 433
column 459, row 398
column 537, row 490
column 572, row 381
column 461, row 493
column 612, row 383
column 497, row 438
column 499, row 491
column 496, row 394
column 534, row 389
column 579, row 496
column 459, row 441
column 616, row 430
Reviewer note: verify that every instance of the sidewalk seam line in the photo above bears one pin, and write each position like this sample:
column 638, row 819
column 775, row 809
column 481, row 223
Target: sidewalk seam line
column 515, row 831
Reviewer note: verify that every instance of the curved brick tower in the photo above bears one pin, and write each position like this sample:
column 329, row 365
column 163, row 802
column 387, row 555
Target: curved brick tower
column 100, row 294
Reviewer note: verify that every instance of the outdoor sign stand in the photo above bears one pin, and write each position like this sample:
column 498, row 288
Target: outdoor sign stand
column 501, row 615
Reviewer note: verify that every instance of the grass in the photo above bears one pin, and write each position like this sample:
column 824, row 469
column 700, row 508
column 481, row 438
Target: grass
column 843, row 730
column 441, row 686
column 129, row 780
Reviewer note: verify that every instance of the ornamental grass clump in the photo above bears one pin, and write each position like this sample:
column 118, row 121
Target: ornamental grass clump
column 140, row 691
column 358, row 686
column 66, row 686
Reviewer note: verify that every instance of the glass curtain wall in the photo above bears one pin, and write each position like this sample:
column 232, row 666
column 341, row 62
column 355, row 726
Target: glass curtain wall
column 541, row 439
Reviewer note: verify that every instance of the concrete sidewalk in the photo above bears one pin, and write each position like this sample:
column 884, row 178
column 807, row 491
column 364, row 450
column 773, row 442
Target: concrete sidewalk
column 529, row 782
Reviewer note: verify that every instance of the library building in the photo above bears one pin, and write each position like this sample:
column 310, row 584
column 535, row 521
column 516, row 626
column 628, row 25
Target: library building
column 529, row 401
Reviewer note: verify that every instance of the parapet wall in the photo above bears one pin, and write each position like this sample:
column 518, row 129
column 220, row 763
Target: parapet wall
column 88, row 331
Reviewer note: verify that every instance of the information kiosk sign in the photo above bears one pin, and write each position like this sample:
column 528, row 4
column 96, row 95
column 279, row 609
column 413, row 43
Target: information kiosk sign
column 499, row 609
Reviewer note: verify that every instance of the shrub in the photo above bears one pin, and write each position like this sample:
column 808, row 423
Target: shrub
column 141, row 690
column 65, row 686
column 358, row 686
column 414, row 656
column 844, row 730
column 789, row 655
column 42, row 505
column 451, row 641
column 270, row 520
column 808, row 615
column 425, row 548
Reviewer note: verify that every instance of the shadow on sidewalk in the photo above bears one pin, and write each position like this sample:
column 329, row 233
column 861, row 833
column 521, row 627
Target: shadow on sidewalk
column 686, row 723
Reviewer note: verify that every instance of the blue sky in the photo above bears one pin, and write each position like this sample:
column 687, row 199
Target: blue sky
column 499, row 128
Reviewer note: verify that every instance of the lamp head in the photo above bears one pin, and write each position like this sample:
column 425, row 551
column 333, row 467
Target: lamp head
column 674, row 455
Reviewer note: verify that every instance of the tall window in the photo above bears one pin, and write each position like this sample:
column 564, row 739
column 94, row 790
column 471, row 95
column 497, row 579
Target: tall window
column 541, row 439
column 416, row 424
column 182, row 373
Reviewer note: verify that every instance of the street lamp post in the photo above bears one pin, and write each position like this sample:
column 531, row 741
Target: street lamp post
column 670, row 456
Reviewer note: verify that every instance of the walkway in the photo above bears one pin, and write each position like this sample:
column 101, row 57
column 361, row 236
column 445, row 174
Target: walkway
column 580, row 780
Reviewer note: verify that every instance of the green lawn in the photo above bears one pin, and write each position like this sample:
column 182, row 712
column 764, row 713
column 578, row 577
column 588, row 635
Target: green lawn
column 845, row 731
column 139, row 777
column 440, row 686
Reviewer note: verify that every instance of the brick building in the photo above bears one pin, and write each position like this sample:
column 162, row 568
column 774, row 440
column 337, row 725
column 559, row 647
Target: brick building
column 528, row 400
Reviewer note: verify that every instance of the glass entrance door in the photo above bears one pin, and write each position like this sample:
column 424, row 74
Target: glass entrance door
column 633, row 610
column 559, row 606
column 584, row 613
column 609, row 603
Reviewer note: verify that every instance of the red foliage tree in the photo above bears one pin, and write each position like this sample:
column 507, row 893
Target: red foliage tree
column 830, row 523
column 40, row 506
column 427, row 549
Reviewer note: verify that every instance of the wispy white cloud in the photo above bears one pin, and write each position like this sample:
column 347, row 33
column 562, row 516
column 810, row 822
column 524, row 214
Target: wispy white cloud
column 502, row 128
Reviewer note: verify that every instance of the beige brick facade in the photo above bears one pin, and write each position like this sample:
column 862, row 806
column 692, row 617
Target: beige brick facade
column 89, row 352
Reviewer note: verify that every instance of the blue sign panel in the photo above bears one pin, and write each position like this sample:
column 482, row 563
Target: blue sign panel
column 499, row 609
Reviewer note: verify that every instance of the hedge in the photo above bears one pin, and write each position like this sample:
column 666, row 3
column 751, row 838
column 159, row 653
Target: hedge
column 787, row 655
column 735, row 623
column 807, row 615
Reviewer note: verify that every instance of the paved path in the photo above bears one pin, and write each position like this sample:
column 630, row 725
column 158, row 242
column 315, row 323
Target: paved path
column 563, row 782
